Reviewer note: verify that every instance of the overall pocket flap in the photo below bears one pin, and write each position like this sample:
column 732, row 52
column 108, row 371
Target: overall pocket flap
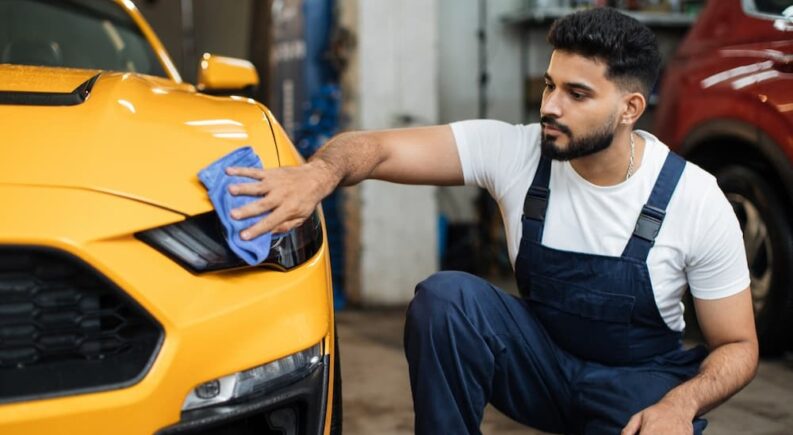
column 574, row 299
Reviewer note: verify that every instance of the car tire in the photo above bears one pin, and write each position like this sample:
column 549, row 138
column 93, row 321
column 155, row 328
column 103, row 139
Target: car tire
column 336, row 407
column 769, row 251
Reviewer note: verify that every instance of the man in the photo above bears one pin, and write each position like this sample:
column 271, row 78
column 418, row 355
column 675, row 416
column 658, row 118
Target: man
column 606, row 229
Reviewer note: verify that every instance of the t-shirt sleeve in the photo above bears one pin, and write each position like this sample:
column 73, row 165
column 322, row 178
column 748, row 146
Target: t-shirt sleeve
column 717, row 265
column 491, row 152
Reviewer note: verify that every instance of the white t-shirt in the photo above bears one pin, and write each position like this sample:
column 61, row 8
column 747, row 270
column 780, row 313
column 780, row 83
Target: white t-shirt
column 700, row 244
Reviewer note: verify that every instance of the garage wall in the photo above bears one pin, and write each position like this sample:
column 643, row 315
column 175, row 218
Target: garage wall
column 459, row 61
column 398, row 70
column 459, row 71
column 416, row 63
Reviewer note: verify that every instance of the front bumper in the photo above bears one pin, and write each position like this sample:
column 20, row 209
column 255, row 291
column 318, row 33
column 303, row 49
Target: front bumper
column 296, row 409
column 214, row 324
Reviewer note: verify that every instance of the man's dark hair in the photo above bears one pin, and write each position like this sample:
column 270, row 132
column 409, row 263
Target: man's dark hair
column 626, row 46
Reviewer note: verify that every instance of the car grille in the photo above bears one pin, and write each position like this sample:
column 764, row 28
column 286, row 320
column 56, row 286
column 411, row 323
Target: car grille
column 65, row 328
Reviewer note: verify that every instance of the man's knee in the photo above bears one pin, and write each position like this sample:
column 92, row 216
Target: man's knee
column 445, row 287
column 439, row 310
column 443, row 295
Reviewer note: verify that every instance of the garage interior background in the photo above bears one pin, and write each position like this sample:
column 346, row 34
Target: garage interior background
column 331, row 65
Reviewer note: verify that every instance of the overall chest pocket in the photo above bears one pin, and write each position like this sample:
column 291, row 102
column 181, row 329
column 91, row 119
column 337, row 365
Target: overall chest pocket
column 590, row 324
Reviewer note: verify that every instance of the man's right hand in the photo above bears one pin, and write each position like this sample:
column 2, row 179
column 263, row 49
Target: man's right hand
column 288, row 194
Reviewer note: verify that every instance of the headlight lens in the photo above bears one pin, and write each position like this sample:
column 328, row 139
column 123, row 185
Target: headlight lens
column 199, row 244
column 258, row 379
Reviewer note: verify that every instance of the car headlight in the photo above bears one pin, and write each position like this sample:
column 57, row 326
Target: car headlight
column 199, row 244
column 259, row 379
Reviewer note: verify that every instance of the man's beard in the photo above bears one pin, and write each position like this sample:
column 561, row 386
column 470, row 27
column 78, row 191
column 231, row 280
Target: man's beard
column 577, row 147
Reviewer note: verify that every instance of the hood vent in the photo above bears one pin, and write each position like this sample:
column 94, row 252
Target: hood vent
column 73, row 98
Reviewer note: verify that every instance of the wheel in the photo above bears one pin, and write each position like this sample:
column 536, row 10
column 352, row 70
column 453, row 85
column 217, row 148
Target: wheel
column 769, row 252
column 336, row 412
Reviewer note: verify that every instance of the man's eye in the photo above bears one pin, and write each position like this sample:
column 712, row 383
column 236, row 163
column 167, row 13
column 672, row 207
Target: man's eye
column 549, row 86
column 577, row 96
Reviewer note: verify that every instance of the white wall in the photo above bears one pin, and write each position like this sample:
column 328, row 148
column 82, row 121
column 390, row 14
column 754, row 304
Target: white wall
column 459, row 61
column 459, row 71
column 398, row 70
column 419, row 58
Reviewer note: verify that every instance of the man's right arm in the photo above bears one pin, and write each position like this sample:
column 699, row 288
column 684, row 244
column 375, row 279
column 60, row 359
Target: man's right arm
column 422, row 155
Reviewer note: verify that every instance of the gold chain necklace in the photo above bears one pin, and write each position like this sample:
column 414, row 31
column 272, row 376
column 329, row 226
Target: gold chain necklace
column 630, row 162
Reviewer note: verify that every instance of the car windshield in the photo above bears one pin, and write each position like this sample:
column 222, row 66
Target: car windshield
column 91, row 34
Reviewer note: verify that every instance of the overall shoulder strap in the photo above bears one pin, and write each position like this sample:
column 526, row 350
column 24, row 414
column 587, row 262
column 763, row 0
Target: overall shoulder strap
column 652, row 215
column 536, row 202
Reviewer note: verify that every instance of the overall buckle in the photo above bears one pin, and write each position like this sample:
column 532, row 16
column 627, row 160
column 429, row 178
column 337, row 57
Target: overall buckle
column 649, row 223
column 536, row 203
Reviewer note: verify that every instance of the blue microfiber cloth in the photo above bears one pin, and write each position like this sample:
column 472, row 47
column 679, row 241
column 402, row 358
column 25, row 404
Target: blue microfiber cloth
column 217, row 183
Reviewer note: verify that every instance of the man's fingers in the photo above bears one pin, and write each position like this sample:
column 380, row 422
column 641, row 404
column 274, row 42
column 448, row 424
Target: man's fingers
column 633, row 426
column 266, row 225
column 246, row 172
column 285, row 195
column 288, row 225
column 251, row 189
column 256, row 208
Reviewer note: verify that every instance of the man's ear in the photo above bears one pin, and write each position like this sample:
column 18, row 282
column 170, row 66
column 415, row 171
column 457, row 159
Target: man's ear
column 634, row 105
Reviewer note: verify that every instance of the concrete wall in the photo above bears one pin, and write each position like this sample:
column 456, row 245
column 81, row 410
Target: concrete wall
column 416, row 63
column 459, row 72
column 398, row 70
column 459, row 61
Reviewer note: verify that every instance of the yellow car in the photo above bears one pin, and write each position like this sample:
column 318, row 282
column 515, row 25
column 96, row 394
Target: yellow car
column 122, row 309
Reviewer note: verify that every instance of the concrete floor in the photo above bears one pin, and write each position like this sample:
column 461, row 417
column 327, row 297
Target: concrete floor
column 377, row 391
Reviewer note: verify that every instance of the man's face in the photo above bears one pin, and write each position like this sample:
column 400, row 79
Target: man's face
column 579, row 111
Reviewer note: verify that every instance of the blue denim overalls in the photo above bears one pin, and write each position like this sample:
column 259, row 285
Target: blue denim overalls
column 582, row 351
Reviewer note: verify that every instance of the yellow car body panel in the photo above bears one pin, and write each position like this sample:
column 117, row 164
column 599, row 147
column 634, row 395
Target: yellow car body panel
column 85, row 178
column 130, row 127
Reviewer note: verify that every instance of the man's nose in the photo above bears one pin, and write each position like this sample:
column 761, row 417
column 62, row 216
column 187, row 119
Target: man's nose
column 551, row 105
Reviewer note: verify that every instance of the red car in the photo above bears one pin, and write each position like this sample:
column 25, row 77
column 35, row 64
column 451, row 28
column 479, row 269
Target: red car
column 726, row 103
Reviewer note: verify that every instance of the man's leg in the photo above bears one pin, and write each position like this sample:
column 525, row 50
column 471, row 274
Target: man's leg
column 609, row 396
column 467, row 344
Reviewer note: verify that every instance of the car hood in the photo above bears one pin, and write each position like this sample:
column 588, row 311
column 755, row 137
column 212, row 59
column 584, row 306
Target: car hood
column 130, row 135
